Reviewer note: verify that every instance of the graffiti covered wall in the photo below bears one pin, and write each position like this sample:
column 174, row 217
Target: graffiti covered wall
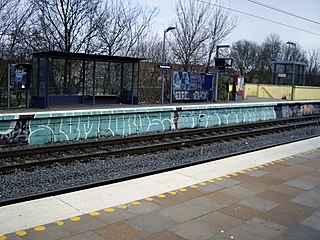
column 51, row 127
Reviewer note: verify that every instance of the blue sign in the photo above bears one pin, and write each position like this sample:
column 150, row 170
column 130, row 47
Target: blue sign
column 188, row 86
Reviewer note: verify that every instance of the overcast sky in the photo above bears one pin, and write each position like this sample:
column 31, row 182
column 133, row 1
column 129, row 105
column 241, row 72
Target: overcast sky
column 254, row 29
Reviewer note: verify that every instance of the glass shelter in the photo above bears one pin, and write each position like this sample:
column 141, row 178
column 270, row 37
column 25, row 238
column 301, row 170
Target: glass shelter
column 288, row 73
column 61, row 78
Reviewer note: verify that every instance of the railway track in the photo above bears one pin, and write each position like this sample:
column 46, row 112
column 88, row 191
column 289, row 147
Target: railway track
column 11, row 160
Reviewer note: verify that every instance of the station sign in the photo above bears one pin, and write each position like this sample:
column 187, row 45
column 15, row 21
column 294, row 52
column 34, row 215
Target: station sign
column 164, row 66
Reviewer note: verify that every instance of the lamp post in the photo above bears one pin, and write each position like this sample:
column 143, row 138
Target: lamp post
column 164, row 60
column 217, row 73
column 293, row 68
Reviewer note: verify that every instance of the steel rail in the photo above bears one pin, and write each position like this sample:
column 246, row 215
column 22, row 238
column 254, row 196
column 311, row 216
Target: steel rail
column 136, row 138
column 161, row 146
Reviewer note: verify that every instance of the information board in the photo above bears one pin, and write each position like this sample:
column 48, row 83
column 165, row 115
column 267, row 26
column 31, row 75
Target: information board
column 190, row 86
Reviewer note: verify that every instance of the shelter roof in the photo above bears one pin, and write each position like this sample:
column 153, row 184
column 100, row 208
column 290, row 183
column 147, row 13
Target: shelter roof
column 87, row 57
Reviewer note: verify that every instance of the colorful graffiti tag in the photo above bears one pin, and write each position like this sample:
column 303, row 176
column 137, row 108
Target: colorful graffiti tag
column 40, row 128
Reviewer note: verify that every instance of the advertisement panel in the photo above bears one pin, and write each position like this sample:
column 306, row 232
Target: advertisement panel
column 190, row 86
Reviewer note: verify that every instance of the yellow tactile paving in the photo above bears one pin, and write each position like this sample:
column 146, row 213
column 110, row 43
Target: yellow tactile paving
column 40, row 228
column 75, row 219
column 109, row 210
column 161, row 196
column 182, row 189
column 173, row 193
column 193, row 186
column 59, row 223
column 3, row 237
column 149, row 199
column 136, row 203
column 94, row 214
column 123, row 206
column 21, row 233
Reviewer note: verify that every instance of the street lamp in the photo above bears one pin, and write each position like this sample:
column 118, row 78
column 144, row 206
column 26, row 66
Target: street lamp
column 293, row 68
column 164, row 60
column 217, row 71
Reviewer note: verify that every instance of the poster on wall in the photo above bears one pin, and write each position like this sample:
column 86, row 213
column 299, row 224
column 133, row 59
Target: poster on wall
column 189, row 86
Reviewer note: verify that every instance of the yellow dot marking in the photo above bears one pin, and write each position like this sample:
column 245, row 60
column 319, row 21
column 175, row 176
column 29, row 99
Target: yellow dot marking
column 161, row 196
column 291, row 157
column 242, row 172
column 149, row 199
column 234, row 174
column 267, row 164
column 211, row 181
column 182, row 190
column 21, row 233
column 75, row 219
column 219, row 178
column 193, row 186
column 249, row 169
column 260, row 166
column 255, row 168
column 3, row 237
column 202, row 184
column 227, row 176
column 135, row 203
column 40, row 228
column 94, row 214
column 109, row 210
column 173, row 193
column 123, row 206
column 59, row 223
column 271, row 163
column 281, row 160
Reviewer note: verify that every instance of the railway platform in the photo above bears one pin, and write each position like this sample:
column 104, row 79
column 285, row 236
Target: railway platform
column 267, row 194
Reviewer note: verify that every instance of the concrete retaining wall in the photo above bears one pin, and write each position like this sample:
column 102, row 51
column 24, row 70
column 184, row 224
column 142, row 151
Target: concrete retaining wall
column 60, row 126
column 281, row 92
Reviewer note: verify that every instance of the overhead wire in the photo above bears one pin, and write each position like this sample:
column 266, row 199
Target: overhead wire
column 262, row 18
column 282, row 11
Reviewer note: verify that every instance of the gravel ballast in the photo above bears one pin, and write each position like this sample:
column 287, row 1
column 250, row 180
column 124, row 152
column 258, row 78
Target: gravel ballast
column 41, row 180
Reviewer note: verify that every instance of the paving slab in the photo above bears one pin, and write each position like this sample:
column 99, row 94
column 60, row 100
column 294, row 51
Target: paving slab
column 220, row 221
column 313, row 221
column 301, row 184
column 194, row 230
column 120, row 231
column 85, row 236
column 152, row 223
column 300, row 232
column 222, row 198
column 164, row 235
column 240, row 211
column 257, row 229
column 259, row 204
column 239, row 191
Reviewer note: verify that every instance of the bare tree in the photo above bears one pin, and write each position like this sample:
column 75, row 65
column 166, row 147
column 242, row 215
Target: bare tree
column 222, row 25
column 13, row 17
column 313, row 69
column 122, row 27
column 62, row 25
column 294, row 53
column 245, row 56
column 199, row 28
column 270, row 50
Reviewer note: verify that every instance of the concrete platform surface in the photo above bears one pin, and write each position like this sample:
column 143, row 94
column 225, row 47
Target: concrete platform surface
column 268, row 194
